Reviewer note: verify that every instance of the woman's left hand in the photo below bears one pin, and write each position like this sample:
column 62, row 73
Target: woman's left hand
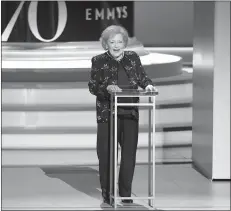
column 150, row 88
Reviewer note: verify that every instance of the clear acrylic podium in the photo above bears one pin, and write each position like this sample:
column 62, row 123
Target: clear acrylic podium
column 114, row 144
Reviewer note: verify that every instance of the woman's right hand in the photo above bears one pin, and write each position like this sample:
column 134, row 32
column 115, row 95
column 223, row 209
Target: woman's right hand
column 113, row 88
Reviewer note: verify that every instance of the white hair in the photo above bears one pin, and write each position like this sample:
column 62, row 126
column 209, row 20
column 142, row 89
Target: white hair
column 113, row 30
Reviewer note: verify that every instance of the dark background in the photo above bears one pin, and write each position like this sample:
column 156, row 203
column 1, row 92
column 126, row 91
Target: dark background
column 77, row 27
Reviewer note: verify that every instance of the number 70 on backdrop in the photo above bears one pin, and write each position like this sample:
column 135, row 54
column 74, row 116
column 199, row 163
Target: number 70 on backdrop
column 47, row 21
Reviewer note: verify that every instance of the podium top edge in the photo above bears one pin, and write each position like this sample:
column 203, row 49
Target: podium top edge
column 134, row 92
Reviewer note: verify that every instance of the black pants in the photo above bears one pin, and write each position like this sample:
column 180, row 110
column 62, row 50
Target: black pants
column 128, row 138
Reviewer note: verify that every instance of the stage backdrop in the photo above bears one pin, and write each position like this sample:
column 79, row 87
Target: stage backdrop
column 62, row 21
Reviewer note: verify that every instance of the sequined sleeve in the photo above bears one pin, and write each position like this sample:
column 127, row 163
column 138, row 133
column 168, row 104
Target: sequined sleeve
column 144, row 80
column 96, row 86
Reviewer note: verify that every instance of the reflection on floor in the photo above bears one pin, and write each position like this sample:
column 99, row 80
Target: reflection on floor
column 177, row 187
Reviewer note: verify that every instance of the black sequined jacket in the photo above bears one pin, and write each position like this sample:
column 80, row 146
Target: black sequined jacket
column 104, row 72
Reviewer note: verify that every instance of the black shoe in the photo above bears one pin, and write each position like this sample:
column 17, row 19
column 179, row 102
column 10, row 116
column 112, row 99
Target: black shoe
column 106, row 200
column 105, row 195
column 127, row 201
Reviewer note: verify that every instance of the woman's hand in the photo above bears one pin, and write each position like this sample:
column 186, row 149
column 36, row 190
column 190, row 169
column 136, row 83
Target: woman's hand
column 150, row 88
column 113, row 88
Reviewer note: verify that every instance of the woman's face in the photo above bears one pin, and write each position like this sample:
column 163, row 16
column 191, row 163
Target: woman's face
column 116, row 45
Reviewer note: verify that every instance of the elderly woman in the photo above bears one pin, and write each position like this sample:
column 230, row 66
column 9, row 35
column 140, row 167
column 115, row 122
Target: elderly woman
column 112, row 71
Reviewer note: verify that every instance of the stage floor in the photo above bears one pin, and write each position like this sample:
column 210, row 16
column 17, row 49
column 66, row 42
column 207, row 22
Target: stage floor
column 178, row 187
